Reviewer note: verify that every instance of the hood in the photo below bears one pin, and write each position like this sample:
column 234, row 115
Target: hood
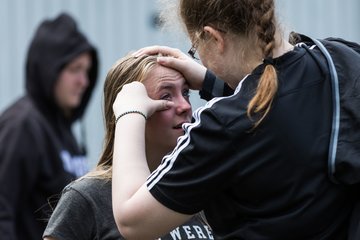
column 56, row 42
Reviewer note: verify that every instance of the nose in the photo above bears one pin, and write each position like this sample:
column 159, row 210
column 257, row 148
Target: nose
column 83, row 79
column 183, row 105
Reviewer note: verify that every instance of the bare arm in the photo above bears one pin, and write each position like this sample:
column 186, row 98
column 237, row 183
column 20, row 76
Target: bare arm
column 137, row 213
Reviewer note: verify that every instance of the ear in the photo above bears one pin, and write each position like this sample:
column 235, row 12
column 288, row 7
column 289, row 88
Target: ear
column 217, row 36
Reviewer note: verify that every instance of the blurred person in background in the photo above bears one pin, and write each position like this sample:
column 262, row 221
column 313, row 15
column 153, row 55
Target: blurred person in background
column 39, row 154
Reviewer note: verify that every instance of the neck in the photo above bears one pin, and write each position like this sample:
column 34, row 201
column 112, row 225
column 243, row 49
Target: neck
column 67, row 112
column 282, row 46
column 154, row 157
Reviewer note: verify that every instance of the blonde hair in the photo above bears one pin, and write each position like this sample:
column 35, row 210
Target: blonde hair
column 125, row 70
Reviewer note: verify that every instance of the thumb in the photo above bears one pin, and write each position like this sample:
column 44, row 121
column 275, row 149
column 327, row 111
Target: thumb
column 166, row 104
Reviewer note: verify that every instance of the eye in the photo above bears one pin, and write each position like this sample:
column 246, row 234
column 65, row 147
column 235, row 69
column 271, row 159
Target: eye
column 186, row 93
column 75, row 69
column 166, row 96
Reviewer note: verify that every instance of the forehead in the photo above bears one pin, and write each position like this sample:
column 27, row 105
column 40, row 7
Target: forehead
column 83, row 57
column 162, row 77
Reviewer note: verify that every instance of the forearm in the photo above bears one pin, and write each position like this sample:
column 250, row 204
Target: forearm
column 138, row 215
column 130, row 168
column 130, row 171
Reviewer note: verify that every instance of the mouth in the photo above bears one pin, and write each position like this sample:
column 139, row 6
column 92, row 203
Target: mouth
column 179, row 126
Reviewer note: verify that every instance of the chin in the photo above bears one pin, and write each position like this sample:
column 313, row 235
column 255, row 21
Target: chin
column 75, row 103
column 172, row 144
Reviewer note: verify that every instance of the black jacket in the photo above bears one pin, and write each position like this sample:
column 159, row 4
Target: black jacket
column 39, row 154
column 267, row 183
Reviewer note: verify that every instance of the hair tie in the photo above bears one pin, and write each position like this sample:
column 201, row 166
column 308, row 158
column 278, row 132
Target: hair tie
column 268, row 61
column 128, row 112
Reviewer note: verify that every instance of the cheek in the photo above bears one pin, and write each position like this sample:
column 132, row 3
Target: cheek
column 203, row 58
column 211, row 62
column 160, row 121
column 214, row 67
column 64, row 82
column 162, row 118
column 60, row 89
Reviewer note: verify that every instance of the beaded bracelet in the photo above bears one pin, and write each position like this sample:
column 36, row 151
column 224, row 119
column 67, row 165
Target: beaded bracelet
column 128, row 112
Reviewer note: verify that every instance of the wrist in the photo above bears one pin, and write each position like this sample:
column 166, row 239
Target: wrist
column 130, row 112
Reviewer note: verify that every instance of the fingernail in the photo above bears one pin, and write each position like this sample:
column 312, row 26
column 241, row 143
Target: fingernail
column 169, row 104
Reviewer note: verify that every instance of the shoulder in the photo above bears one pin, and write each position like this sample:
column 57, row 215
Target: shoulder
column 18, row 112
column 342, row 44
column 23, row 114
column 88, row 183
column 21, row 124
column 345, row 54
column 75, row 215
column 89, row 188
column 81, row 194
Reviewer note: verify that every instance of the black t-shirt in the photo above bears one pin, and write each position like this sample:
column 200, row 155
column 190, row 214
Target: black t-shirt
column 85, row 212
column 267, row 183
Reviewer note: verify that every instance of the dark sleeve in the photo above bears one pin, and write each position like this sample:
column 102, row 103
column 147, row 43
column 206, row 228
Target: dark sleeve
column 73, row 218
column 214, row 87
column 201, row 165
column 19, row 160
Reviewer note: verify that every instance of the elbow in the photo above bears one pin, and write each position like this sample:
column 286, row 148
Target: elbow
column 123, row 227
column 129, row 232
column 127, row 229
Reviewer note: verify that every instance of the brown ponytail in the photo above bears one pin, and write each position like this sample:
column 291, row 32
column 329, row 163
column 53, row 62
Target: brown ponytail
column 268, row 83
column 265, row 92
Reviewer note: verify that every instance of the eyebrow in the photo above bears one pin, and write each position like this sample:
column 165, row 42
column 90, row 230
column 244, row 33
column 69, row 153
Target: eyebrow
column 169, row 85
column 164, row 85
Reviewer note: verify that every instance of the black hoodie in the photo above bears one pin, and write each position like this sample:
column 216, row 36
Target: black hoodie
column 39, row 154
